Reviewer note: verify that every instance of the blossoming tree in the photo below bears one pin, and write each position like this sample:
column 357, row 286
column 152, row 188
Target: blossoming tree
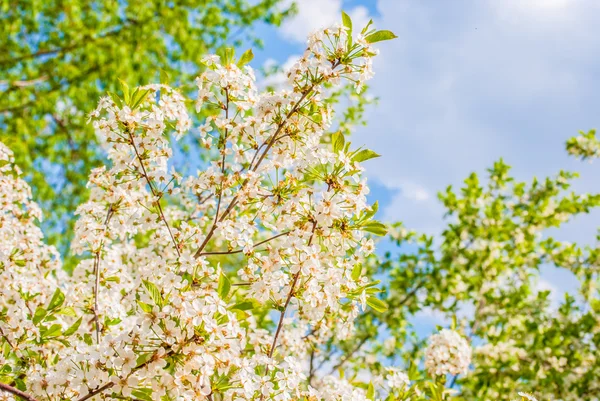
column 483, row 275
column 253, row 278
column 150, row 312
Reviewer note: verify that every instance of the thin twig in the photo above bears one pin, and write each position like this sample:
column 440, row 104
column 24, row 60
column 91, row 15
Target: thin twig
column 109, row 214
column 17, row 392
column 149, row 181
column 346, row 358
column 270, row 144
column 242, row 250
column 6, row 338
column 153, row 358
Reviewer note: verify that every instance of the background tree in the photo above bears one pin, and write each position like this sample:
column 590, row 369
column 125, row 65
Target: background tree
column 58, row 57
column 483, row 274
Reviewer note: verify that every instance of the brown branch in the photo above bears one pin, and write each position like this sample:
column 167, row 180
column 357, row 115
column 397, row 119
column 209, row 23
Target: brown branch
column 285, row 306
column 241, row 250
column 109, row 214
column 153, row 358
column 347, row 357
column 17, row 392
column 289, row 297
column 6, row 338
column 311, row 369
column 25, row 83
column 149, row 181
column 270, row 144
column 76, row 45
column 54, row 88
column 220, row 197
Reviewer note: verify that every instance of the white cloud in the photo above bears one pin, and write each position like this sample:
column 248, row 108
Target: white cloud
column 469, row 82
column 316, row 14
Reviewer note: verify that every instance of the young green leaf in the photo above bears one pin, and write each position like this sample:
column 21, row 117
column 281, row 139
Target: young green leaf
column 375, row 227
column 154, row 292
column 377, row 304
column 145, row 307
column 356, row 271
column 39, row 315
column 87, row 338
column 374, row 209
column 347, row 21
column 52, row 331
column 246, row 57
column 371, row 391
column 224, row 286
column 338, row 141
column 164, row 77
column 116, row 99
column 73, row 328
column 364, row 154
column 380, row 36
column 138, row 98
column 243, row 306
column 125, row 91
column 57, row 300
column 366, row 28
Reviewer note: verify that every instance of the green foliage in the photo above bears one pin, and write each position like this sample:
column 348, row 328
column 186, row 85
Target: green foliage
column 58, row 58
column 487, row 261
column 585, row 146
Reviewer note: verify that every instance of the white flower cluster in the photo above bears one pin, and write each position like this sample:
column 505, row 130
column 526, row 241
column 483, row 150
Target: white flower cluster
column 150, row 312
column 448, row 353
column 397, row 379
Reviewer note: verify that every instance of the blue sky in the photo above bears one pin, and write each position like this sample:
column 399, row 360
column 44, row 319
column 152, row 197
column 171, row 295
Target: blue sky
column 465, row 83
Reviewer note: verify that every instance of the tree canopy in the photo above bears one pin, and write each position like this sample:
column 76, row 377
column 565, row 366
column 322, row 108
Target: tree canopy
column 58, row 57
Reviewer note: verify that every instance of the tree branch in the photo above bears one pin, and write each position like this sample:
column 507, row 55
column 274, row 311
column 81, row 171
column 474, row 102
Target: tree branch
column 241, row 250
column 270, row 144
column 149, row 181
column 17, row 392
column 109, row 214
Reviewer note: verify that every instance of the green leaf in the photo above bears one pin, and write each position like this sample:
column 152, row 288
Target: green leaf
column 68, row 311
column 145, row 307
column 116, row 99
column 356, row 271
column 139, row 98
column 144, row 394
column 57, row 300
column 377, row 304
column 224, row 286
column 246, row 305
column 364, row 154
column 39, row 315
column 246, row 57
column 73, row 328
column 125, row 91
column 347, row 21
column 164, row 77
column 143, row 358
column 380, row 36
column 154, row 292
column 373, row 210
column 371, row 391
column 366, row 28
column 375, row 227
column 87, row 338
column 53, row 331
column 338, row 141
